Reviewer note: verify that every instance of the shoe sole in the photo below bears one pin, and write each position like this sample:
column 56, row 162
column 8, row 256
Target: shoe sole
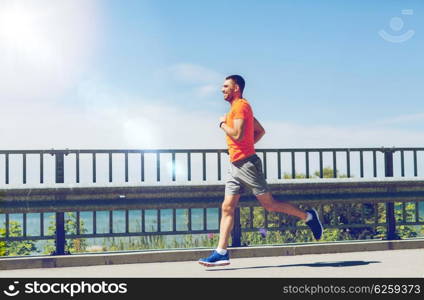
column 222, row 263
column 319, row 222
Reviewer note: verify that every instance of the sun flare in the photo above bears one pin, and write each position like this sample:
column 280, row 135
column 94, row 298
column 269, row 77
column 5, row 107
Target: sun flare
column 44, row 45
column 21, row 33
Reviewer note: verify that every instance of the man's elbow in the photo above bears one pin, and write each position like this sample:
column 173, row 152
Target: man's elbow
column 260, row 132
column 238, row 137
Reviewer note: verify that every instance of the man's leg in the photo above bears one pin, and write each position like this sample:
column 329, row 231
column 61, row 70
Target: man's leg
column 220, row 257
column 227, row 219
column 251, row 174
column 310, row 217
column 270, row 204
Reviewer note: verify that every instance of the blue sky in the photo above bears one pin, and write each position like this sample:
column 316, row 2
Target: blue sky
column 143, row 74
column 320, row 62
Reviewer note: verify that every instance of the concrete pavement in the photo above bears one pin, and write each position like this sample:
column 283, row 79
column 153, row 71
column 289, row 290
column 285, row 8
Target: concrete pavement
column 376, row 264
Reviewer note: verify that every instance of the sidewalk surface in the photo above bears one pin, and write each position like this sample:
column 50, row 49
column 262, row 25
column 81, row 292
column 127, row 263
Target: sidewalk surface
column 377, row 264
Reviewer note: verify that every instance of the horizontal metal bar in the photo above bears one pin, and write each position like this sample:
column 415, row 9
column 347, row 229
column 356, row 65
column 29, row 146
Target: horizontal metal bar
column 293, row 227
column 269, row 150
column 28, row 238
column 146, row 233
column 107, row 198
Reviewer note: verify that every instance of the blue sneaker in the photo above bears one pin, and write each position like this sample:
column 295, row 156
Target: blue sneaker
column 315, row 224
column 215, row 259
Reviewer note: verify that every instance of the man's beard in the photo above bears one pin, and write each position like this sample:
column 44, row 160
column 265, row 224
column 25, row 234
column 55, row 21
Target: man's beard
column 230, row 98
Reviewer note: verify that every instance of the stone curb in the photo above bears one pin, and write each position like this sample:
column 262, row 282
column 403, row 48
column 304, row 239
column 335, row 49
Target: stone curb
column 194, row 254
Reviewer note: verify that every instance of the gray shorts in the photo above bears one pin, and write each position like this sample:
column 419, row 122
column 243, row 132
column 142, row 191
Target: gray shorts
column 246, row 173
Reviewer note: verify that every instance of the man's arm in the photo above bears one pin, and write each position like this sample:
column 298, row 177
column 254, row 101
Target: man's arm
column 258, row 131
column 237, row 132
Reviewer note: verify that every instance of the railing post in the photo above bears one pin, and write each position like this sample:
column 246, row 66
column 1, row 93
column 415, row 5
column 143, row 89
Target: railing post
column 59, row 166
column 236, row 233
column 390, row 206
column 60, row 234
column 60, row 216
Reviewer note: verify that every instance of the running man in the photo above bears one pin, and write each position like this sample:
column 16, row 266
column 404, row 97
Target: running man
column 242, row 132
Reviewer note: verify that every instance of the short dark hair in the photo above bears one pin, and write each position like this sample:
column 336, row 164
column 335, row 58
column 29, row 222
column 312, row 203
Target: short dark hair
column 238, row 80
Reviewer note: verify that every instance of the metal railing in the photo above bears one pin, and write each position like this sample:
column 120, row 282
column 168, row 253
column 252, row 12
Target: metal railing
column 295, row 156
column 386, row 164
column 350, row 204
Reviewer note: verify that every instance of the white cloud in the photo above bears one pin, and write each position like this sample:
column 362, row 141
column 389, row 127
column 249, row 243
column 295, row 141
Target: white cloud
column 206, row 90
column 198, row 81
column 195, row 74
column 402, row 119
column 106, row 118
column 292, row 135
column 137, row 123
column 143, row 122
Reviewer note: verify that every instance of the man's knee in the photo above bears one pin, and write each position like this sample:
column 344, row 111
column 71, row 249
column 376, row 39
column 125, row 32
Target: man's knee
column 228, row 208
column 269, row 206
column 267, row 201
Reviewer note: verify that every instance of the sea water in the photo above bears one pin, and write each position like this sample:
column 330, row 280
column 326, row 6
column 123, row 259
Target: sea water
column 118, row 223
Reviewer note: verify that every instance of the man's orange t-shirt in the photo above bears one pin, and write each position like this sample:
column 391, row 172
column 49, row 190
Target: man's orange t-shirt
column 241, row 109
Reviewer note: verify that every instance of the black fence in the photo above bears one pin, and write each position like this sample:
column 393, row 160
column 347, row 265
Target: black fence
column 379, row 162
column 366, row 160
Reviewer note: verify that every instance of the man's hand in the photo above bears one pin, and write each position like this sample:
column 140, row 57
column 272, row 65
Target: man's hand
column 236, row 132
column 258, row 131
